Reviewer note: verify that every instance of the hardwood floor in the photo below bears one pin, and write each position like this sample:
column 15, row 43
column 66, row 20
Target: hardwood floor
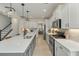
column 41, row 48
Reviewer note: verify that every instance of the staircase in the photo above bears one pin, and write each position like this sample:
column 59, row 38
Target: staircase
column 5, row 31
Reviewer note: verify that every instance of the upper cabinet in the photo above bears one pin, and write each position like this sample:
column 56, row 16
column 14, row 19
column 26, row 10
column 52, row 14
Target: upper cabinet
column 74, row 15
column 62, row 12
column 65, row 16
column 69, row 15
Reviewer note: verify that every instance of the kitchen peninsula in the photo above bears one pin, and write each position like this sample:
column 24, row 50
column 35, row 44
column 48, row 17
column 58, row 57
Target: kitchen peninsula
column 17, row 46
column 63, row 47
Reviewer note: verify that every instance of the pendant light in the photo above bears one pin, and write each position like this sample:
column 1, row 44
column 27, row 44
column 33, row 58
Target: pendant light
column 23, row 25
column 27, row 15
column 11, row 11
column 22, row 10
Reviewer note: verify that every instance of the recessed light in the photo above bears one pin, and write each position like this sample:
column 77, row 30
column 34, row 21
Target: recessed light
column 44, row 10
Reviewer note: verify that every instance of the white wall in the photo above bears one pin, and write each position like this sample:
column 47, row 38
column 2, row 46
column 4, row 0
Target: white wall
column 15, row 25
column 73, row 34
column 18, row 24
column 4, row 20
column 32, row 23
column 35, row 22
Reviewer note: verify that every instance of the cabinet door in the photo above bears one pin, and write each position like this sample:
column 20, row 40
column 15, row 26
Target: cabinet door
column 27, row 52
column 60, row 50
column 62, row 12
column 30, row 51
column 65, row 16
column 74, row 15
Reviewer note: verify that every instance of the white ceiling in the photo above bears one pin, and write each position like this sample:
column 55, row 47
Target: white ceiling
column 36, row 9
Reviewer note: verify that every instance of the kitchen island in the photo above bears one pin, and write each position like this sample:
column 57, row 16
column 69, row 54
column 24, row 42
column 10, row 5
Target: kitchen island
column 63, row 47
column 18, row 46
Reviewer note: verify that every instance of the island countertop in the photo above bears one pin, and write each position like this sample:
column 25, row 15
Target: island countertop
column 71, row 45
column 16, row 44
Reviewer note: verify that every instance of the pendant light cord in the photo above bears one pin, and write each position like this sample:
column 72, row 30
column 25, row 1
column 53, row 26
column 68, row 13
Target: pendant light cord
column 22, row 9
column 27, row 14
column 10, row 6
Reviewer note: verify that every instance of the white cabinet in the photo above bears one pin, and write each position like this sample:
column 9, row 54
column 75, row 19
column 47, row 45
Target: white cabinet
column 62, row 12
column 65, row 16
column 60, row 50
column 30, row 49
column 70, row 15
column 74, row 15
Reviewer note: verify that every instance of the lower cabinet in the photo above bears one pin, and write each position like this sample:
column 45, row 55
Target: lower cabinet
column 30, row 49
column 61, row 50
column 27, row 52
column 58, row 49
column 52, row 45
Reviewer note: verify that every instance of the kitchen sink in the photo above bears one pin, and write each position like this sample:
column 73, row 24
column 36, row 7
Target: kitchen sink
column 28, row 37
